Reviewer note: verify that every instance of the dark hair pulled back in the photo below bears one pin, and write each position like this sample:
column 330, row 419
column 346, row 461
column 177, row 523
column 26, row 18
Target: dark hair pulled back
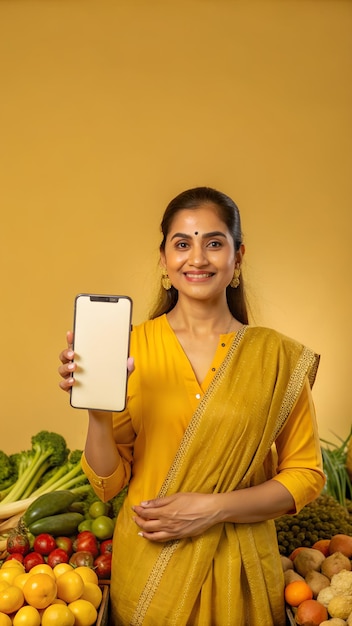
column 229, row 214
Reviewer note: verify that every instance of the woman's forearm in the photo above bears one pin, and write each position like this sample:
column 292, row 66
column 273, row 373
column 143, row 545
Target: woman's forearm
column 100, row 448
column 255, row 504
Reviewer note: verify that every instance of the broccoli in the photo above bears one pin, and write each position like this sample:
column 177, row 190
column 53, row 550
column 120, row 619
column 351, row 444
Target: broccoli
column 117, row 502
column 48, row 450
column 67, row 476
column 321, row 519
column 8, row 474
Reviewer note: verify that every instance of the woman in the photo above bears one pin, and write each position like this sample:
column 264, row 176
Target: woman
column 219, row 437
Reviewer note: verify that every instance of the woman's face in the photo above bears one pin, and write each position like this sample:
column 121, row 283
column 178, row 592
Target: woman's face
column 199, row 253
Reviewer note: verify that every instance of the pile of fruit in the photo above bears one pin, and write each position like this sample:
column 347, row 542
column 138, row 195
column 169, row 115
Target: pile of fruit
column 58, row 596
column 318, row 582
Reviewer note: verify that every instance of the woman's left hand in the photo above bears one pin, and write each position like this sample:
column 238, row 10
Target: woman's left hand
column 175, row 517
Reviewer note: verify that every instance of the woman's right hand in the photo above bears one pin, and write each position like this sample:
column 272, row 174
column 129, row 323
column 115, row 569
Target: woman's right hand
column 68, row 367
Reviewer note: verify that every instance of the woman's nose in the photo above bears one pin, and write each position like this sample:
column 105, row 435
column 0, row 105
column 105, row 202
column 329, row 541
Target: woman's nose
column 197, row 255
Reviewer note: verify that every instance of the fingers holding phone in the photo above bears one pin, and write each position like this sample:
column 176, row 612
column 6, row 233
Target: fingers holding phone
column 68, row 366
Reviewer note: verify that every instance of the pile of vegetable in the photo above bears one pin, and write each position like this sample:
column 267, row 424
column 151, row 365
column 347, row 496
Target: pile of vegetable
column 321, row 519
column 47, row 466
column 52, row 530
column 318, row 582
column 331, row 512
column 44, row 492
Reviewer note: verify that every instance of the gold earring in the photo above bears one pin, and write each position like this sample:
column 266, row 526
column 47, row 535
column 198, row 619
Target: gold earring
column 236, row 278
column 165, row 280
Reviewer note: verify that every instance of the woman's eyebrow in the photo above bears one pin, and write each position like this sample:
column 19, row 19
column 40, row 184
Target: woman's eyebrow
column 215, row 233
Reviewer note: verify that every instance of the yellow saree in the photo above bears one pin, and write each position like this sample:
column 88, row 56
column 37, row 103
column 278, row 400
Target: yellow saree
column 230, row 575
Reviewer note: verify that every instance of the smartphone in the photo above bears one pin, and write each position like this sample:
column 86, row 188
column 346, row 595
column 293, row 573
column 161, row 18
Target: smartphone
column 101, row 340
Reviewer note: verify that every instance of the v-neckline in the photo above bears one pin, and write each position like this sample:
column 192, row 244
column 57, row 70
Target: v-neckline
column 225, row 341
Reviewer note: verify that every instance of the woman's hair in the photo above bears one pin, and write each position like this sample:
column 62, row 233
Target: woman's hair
column 229, row 214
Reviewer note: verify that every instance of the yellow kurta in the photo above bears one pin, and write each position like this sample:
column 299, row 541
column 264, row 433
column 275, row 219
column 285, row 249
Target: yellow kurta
column 163, row 396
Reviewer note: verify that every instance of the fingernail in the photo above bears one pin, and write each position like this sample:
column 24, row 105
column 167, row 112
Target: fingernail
column 140, row 534
column 70, row 366
column 70, row 354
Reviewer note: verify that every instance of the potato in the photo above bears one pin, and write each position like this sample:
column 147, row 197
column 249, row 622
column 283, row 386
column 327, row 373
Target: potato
column 290, row 575
column 286, row 563
column 341, row 543
column 340, row 606
column 334, row 621
column 335, row 563
column 317, row 582
column 307, row 560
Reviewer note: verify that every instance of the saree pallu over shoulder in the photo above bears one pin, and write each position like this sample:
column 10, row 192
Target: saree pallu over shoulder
column 232, row 573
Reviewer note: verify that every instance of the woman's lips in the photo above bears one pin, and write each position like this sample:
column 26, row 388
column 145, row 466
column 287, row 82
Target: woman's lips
column 198, row 276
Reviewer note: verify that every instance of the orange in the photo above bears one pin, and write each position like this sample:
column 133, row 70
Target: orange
column 4, row 584
column 69, row 586
column 311, row 612
column 84, row 612
column 11, row 599
column 42, row 568
column 21, row 579
column 87, row 574
column 13, row 563
column 297, row 591
column 26, row 616
column 5, row 620
column 58, row 614
column 9, row 574
column 39, row 590
column 61, row 568
column 93, row 594
column 58, row 601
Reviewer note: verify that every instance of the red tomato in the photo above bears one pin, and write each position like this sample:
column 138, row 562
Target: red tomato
column 44, row 544
column 15, row 555
column 102, row 565
column 57, row 556
column 106, row 546
column 80, row 558
column 17, row 542
column 86, row 541
column 65, row 543
column 32, row 559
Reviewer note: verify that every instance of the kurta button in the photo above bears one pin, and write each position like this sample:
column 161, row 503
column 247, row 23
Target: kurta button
column 213, row 369
column 198, row 396
column 223, row 345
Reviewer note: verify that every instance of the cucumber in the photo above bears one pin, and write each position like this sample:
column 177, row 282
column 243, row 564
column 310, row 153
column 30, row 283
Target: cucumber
column 64, row 524
column 48, row 504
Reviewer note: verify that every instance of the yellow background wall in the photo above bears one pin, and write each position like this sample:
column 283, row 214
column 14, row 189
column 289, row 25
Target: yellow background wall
column 110, row 108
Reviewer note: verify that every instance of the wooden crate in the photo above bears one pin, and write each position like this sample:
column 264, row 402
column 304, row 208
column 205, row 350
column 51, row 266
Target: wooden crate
column 103, row 614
